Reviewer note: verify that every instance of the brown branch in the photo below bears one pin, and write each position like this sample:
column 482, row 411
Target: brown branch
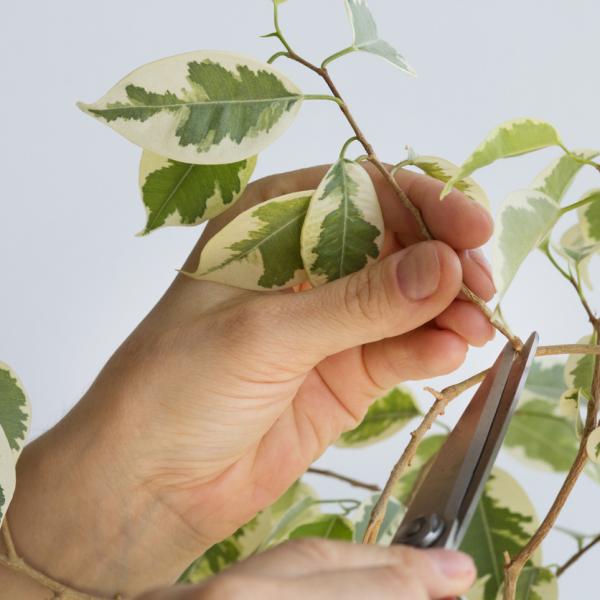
column 514, row 567
column 442, row 399
column 353, row 482
column 577, row 556
column 404, row 199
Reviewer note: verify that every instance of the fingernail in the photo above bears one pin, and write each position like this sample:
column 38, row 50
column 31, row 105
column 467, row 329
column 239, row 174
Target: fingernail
column 452, row 564
column 418, row 271
column 479, row 259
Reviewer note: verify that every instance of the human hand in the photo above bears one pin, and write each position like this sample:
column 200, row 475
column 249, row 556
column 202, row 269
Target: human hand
column 222, row 397
column 322, row 569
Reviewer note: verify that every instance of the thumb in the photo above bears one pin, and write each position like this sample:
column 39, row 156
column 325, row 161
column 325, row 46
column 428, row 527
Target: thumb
column 388, row 298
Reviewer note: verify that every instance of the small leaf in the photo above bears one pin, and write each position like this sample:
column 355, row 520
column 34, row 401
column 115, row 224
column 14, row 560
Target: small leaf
column 545, row 381
column 593, row 446
column 15, row 411
column 343, row 228
column 444, row 170
column 7, row 474
column 386, row 416
column 503, row 522
column 176, row 193
column 571, row 405
column 556, row 178
column 394, row 513
column 589, row 217
column 512, row 138
column 202, row 107
column 259, row 249
column 331, row 527
column 525, row 219
column 366, row 38
column 541, row 436
column 578, row 251
column 579, row 369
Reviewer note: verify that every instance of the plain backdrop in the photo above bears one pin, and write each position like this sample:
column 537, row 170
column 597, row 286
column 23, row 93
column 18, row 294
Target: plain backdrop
column 75, row 279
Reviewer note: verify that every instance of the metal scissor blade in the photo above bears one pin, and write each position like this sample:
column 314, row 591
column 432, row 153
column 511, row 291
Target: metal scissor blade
column 443, row 504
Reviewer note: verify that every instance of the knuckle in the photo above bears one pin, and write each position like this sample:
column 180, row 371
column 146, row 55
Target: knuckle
column 364, row 296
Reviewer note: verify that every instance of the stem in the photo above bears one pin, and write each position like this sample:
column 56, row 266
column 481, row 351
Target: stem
column 353, row 482
column 442, row 399
column 515, row 565
column 346, row 145
column 577, row 556
column 337, row 55
column 582, row 202
column 320, row 96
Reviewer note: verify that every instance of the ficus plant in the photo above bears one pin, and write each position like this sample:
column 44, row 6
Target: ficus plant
column 201, row 119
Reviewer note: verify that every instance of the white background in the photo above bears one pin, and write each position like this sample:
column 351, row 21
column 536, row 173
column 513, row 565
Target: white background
column 75, row 280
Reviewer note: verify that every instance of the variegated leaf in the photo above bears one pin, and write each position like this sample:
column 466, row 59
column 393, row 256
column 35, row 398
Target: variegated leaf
column 366, row 38
column 571, row 405
column 545, row 380
column 7, row 474
column 176, row 193
column 204, row 107
column 525, row 219
column 343, row 229
column 394, row 513
column 330, row 527
column 589, row 216
column 259, row 249
column 535, row 583
column 512, row 138
column 579, row 369
column 15, row 410
column 556, row 178
column 386, row 416
column 593, row 446
column 578, row 251
column 444, row 170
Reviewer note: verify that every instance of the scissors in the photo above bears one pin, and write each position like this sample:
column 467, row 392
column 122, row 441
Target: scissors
column 442, row 506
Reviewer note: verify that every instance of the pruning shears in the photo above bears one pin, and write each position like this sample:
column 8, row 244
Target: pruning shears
column 442, row 506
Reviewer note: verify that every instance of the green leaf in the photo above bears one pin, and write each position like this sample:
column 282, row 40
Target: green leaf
column 579, row 369
column 444, row 170
column 536, row 583
column 545, row 381
column 176, row 193
column 202, row 107
column 15, row 411
column 589, row 217
column 7, row 474
column 556, row 178
column 366, row 38
column 394, row 513
column 526, row 217
column 427, row 449
column 578, row 251
column 503, row 522
column 571, row 405
column 511, row 138
column 331, row 527
column 542, row 437
column 593, row 446
column 385, row 416
column 260, row 248
column 343, row 228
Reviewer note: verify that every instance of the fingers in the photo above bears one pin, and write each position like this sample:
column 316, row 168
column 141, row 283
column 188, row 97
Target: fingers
column 386, row 299
column 468, row 321
column 477, row 273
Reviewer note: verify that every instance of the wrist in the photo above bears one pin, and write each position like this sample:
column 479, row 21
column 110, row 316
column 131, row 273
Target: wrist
column 80, row 517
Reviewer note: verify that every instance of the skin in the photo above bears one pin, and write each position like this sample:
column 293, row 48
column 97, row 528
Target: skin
column 221, row 398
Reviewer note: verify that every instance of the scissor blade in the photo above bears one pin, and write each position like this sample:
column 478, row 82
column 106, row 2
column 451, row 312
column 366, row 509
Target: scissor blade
column 450, row 478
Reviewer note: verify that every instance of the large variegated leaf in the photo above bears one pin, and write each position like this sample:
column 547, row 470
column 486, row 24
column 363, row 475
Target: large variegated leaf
column 503, row 522
column 15, row 410
column 259, row 249
column 578, row 251
column 593, row 446
column 545, row 380
column 512, row 138
column 176, row 193
column 589, row 216
column 331, row 527
column 541, row 436
column 444, row 170
column 394, row 512
column 385, row 416
column 7, row 474
column 535, row 583
column 343, row 228
column 366, row 38
column 202, row 107
column 579, row 369
column 556, row 178
column 525, row 219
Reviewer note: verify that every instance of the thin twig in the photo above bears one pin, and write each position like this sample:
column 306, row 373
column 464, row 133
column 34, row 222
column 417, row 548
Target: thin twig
column 442, row 399
column 577, row 556
column 354, row 482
